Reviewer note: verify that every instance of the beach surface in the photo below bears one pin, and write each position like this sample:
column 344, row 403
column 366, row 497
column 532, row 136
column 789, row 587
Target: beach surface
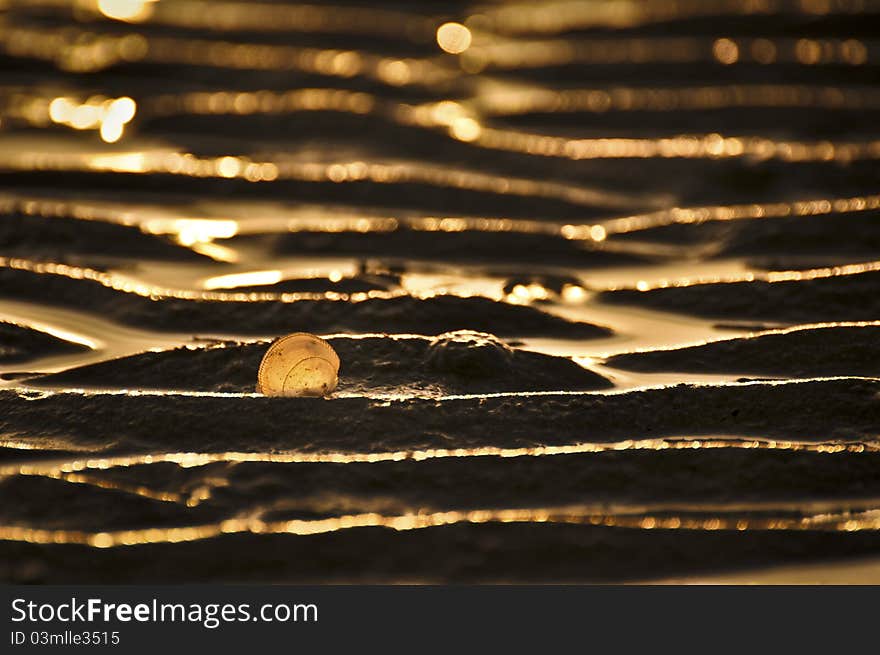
column 603, row 279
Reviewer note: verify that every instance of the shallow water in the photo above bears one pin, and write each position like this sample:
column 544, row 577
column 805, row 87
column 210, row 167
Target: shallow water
column 675, row 202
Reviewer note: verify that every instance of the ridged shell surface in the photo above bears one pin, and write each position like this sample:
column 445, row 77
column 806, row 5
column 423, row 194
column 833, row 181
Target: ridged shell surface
column 298, row 364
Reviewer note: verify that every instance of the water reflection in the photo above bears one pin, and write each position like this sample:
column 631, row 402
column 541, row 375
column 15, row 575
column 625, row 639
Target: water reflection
column 844, row 521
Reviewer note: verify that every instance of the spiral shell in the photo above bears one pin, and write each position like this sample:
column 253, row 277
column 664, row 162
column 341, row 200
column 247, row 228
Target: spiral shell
column 298, row 364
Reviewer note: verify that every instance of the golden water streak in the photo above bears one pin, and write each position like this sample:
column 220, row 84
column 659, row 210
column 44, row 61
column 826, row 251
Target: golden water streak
column 528, row 100
column 755, row 335
column 559, row 16
column 314, row 18
column 33, row 394
column 154, row 292
column 34, row 107
column 78, row 50
column 843, row 521
column 191, row 459
column 199, row 229
column 509, row 18
column 456, row 119
column 81, row 51
column 612, row 51
column 222, row 16
column 109, row 116
column 699, row 146
column 685, row 215
column 136, row 490
column 169, row 162
column 323, row 503
column 771, row 277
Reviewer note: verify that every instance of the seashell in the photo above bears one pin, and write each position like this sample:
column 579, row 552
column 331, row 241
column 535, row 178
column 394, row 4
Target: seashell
column 298, row 364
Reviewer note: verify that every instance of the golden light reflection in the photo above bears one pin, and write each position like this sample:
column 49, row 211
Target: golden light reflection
column 726, row 51
column 74, row 49
column 251, row 278
column 262, row 102
column 223, row 16
column 750, row 276
column 833, row 521
column 202, row 232
column 100, row 483
column 453, row 38
column 196, row 231
column 559, row 16
column 64, row 334
column 195, row 459
column 107, row 115
column 71, row 471
column 525, row 100
column 519, row 54
column 455, row 107
column 527, row 293
column 465, row 129
column 191, row 231
column 752, row 335
column 189, row 165
column 133, row 11
column 710, row 213
column 121, row 162
column 125, row 284
column 465, row 120
column 698, row 146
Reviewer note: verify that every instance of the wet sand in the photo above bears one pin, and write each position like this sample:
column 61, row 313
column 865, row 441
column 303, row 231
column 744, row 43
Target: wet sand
column 455, row 363
column 806, row 352
column 253, row 315
column 20, row 344
column 605, row 295
column 852, row 297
